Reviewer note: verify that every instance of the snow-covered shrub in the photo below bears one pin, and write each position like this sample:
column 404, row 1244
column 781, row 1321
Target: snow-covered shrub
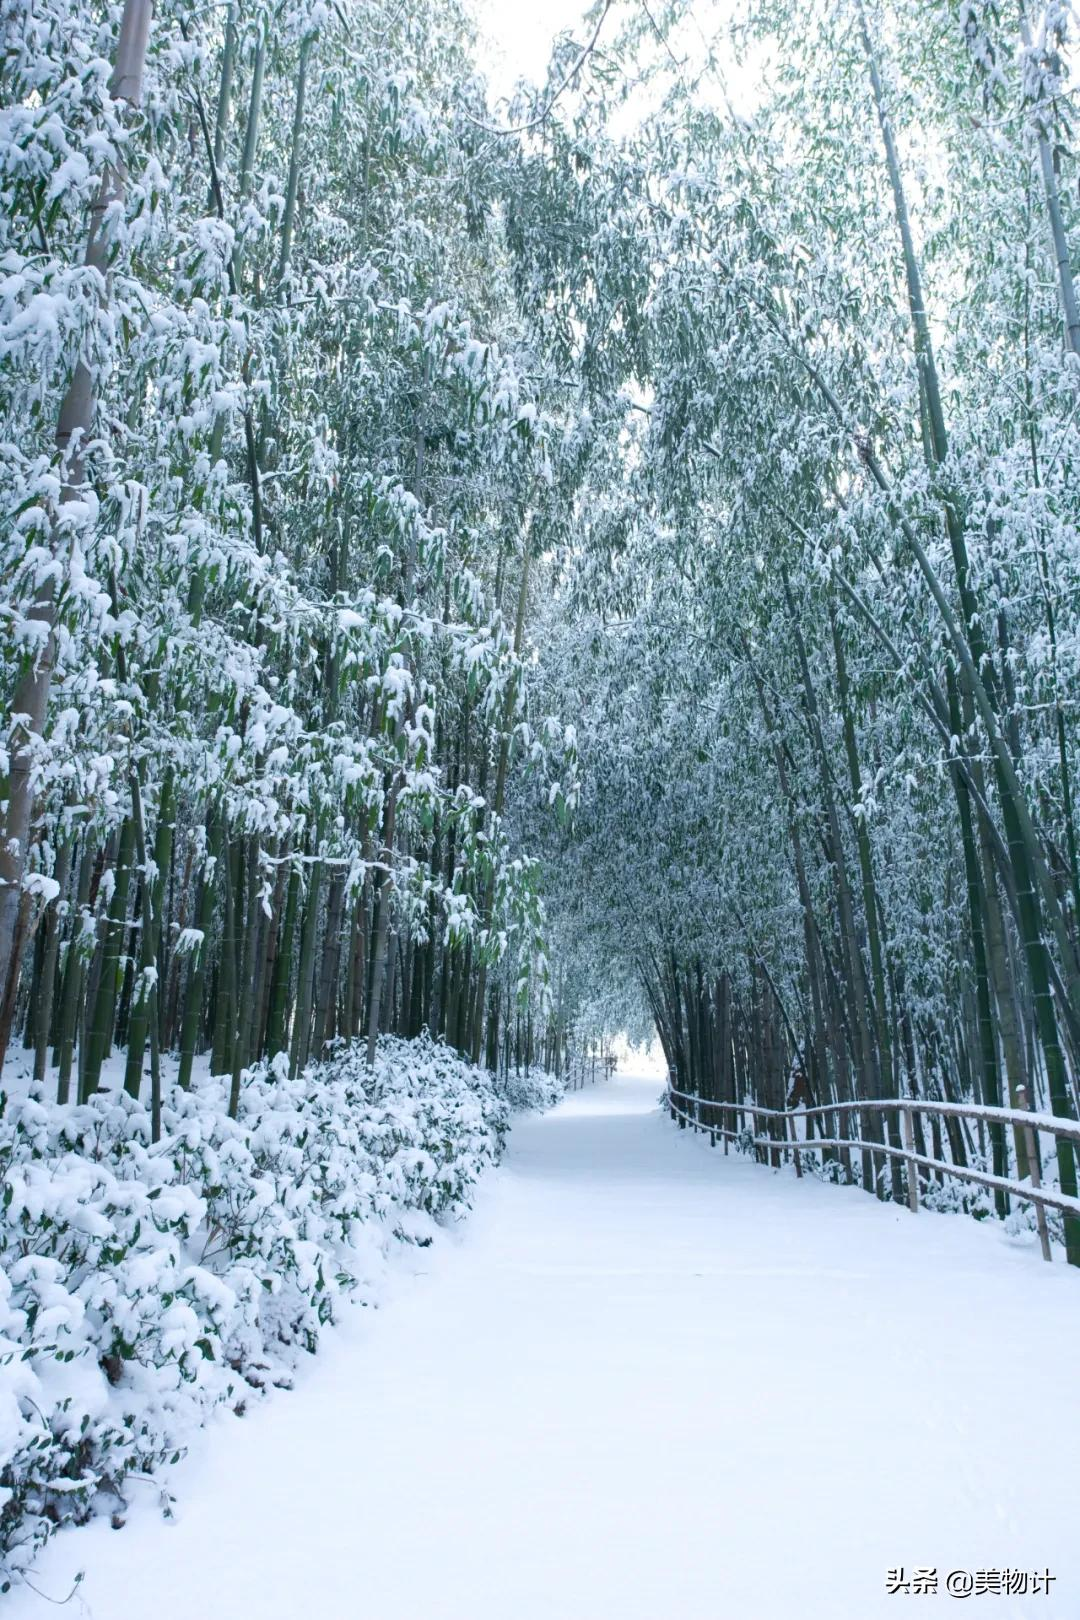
column 143, row 1283
column 531, row 1088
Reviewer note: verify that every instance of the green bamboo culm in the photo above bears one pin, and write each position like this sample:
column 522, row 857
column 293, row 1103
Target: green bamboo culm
column 139, row 1023
column 198, row 959
column 100, row 1029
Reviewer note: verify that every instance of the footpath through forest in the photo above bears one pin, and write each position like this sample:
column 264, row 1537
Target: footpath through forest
column 643, row 1382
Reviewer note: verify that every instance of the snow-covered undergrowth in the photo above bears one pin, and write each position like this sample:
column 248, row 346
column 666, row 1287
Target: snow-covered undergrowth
column 531, row 1088
column 142, row 1284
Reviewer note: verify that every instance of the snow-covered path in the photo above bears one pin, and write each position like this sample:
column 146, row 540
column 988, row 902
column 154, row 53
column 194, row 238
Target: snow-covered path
column 643, row 1382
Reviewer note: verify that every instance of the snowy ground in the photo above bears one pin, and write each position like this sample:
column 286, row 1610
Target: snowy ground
column 643, row 1382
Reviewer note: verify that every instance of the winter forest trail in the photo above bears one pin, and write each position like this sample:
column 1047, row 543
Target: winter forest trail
column 643, row 1382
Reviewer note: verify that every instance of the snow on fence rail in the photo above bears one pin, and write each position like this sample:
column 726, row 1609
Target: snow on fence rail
column 790, row 1144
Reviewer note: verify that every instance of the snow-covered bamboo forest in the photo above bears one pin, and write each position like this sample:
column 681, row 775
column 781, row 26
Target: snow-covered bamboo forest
column 487, row 577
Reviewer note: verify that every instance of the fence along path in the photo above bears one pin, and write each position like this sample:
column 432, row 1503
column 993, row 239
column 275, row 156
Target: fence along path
column 708, row 1114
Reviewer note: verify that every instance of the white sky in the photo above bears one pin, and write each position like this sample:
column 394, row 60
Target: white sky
column 516, row 37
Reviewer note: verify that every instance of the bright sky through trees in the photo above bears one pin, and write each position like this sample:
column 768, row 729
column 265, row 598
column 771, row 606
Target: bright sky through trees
column 516, row 38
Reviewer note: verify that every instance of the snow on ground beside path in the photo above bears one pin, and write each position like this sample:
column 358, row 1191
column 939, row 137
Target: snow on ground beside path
column 643, row 1382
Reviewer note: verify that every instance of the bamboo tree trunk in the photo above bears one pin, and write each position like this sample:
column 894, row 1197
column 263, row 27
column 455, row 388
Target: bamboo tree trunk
column 74, row 974
column 248, row 988
column 51, row 952
column 326, row 1001
column 251, row 138
column 224, row 106
column 277, row 1024
column 99, row 1034
column 200, row 957
column 139, row 1025
column 223, row 1038
column 293, row 184
column 170, row 1009
column 268, row 956
column 301, row 1035
column 990, row 1083
column 870, row 906
column 1004, row 998
column 1066, row 286
column 379, row 952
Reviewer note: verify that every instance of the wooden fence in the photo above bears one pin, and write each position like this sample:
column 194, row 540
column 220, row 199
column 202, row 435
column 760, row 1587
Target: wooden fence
column 708, row 1114
column 587, row 1066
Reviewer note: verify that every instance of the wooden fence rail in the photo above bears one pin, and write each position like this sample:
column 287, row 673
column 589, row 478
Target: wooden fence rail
column 707, row 1114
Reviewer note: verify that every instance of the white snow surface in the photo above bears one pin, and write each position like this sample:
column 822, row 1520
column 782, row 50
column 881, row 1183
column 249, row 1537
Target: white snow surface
column 644, row 1381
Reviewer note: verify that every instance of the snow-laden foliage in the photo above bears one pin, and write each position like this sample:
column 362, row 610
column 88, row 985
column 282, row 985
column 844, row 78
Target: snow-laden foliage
column 142, row 1283
column 533, row 1088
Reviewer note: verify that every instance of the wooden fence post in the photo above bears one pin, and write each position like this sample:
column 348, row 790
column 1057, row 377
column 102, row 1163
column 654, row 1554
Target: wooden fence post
column 912, row 1167
column 1031, row 1138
